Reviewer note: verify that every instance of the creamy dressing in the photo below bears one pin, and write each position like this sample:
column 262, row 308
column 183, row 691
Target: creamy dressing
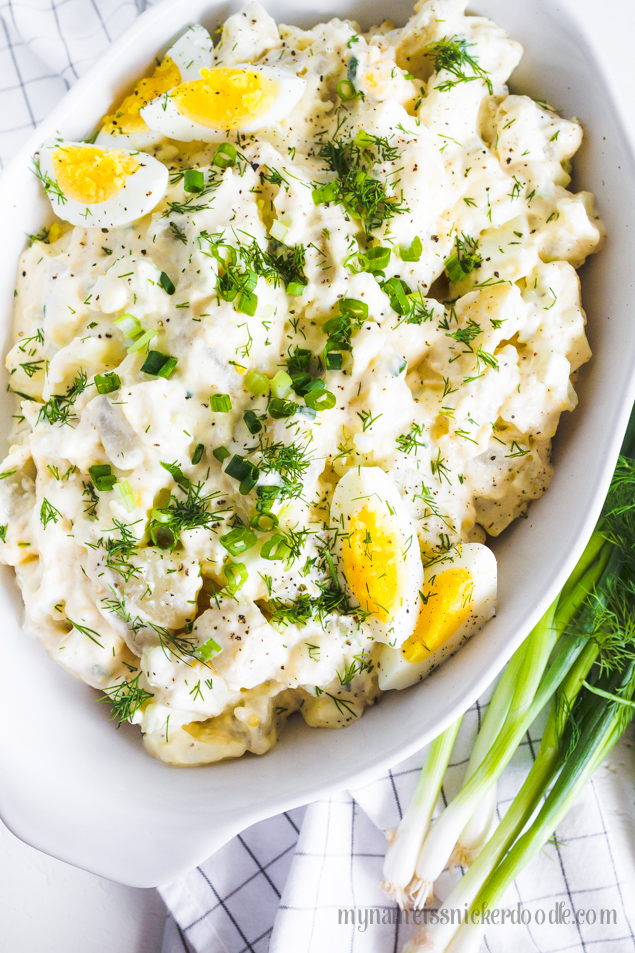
column 457, row 400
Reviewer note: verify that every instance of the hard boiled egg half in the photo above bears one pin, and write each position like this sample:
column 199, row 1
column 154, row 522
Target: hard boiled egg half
column 376, row 551
column 241, row 98
column 125, row 126
column 100, row 188
column 458, row 598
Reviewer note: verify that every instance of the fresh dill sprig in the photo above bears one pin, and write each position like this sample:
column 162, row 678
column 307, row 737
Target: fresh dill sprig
column 466, row 258
column 59, row 408
column 364, row 196
column 48, row 513
column 289, row 462
column 49, row 185
column 411, row 441
column 119, row 549
column 125, row 699
column 450, row 54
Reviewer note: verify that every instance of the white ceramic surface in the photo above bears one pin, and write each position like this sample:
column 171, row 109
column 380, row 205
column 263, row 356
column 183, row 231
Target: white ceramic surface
column 72, row 786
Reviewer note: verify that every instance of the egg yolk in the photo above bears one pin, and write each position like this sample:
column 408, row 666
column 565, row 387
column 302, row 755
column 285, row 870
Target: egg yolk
column 126, row 118
column 225, row 97
column 372, row 564
column 446, row 604
column 88, row 174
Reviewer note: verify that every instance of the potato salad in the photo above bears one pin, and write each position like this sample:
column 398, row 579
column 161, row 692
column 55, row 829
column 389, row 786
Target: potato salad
column 294, row 345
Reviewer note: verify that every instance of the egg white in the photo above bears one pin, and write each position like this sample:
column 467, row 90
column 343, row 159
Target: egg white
column 394, row 669
column 370, row 487
column 163, row 116
column 141, row 192
column 191, row 53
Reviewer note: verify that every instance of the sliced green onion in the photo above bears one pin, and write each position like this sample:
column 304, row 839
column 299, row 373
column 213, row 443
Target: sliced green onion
column 161, row 535
column 256, row 383
column 326, row 193
column 397, row 290
column 129, row 326
column 143, row 340
column 225, row 156
column 197, row 456
column 177, row 475
column 221, row 454
column 411, row 252
column 278, row 230
column 207, row 650
column 125, row 494
column 320, row 399
column 454, row 270
column 333, row 360
column 159, row 364
column 107, row 383
column 280, row 409
column 346, row 90
column 357, row 309
column 296, row 288
column 265, row 497
column 246, row 486
column 238, row 540
column 236, row 575
column 238, row 468
column 193, row 180
column 275, row 548
column 102, row 476
column 252, row 421
column 377, row 258
column 281, row 384
column 364, row 139
column 247, row 303
column 264, row 522
column 166, row 283
column 220, row 403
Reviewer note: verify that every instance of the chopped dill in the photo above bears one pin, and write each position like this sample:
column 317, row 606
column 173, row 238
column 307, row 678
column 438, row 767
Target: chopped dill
column 125, row 699
column 450, row 54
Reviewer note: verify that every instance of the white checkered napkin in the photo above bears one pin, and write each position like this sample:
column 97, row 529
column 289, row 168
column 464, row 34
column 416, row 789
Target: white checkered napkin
column 45, row 45
column 331, row 898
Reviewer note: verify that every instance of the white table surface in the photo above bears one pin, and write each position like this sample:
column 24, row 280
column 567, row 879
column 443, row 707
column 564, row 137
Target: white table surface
column 49, row 907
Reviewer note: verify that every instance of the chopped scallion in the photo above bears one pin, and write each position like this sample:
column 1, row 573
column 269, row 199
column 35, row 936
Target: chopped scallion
column 256, row 383
column 238, row 540
column 220, row 403
column 166, row 283
column 102, row 476
column 193, row 180
column 107, row 383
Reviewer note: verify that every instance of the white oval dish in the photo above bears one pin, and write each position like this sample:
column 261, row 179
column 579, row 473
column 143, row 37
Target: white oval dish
column 72, row 786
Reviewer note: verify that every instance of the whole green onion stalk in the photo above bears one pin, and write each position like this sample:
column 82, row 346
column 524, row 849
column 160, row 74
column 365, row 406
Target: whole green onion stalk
column 583, row 660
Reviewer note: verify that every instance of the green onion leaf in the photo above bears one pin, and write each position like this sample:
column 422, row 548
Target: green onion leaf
column 264, row 522
column 275, row 548
column 107, row 383
column 280, row 409
column 102, row 476
column 252, row 421
column 247, row 303
column 346, row 90
column 333, row 360
column 236, row 575
column 166, row 283
column 158, row 364
column 197, row 456
column 320, row 399
column 193, row 180
column 281, row 384
column 256, row 383
column 225, row 156
column 238, row 540
column 411, row 252
column 142, row 341
column 377, row 258
column 358, row 310
column 177, row 475
column 129, row 326
column 220, row 403
column 326, row 193
column 207, row 650
column 221, row 454
column 125, row 494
